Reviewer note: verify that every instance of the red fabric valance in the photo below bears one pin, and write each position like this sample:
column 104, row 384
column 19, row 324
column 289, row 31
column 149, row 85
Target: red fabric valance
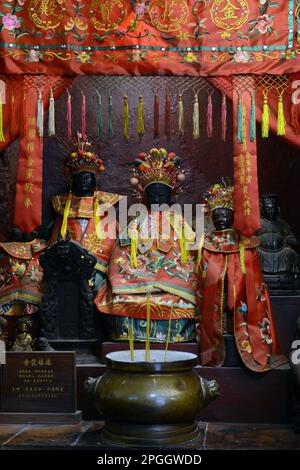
column 175, row 37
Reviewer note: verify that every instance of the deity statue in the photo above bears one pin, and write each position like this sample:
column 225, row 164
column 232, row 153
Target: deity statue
column 21, row 276
column 23, row 341
column 280, row 262
column 231, row 293
column 151, row 286
column 82, row 212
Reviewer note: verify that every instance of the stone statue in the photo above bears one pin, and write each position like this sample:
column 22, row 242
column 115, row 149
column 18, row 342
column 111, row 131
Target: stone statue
column 151, row 272
column 280, row 262
column 232, row 296
column 23, row 341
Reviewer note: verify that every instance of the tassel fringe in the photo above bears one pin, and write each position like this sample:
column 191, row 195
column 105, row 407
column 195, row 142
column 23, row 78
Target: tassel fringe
column 99, row 117
column 180, row 117
column 134, row 246
column 224, row 118
column 252, row 119
column 126, row 119
column 209, row 118
column 196, row 124
column 280, row 117
column 51, row 124
column 2, row 138
column 140, row 121
column 69, row 116
column 40, row 115
column 110, row 123
column 265, row 120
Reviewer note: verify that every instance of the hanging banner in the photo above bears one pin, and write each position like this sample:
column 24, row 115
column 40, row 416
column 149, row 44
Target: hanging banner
column 28, row 202
column 246, row 192
column 175, row 37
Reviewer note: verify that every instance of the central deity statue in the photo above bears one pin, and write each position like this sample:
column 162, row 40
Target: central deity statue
column 151, row 273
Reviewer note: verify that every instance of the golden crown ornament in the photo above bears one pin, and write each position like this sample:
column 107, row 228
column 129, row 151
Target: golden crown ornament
column 219, row 196
column 157, row 166
column 82, row 158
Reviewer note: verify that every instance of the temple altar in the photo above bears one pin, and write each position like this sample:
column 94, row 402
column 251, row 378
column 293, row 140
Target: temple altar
column 115, row 117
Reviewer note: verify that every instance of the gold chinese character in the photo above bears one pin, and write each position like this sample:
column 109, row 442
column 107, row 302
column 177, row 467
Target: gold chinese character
column 30, row 146
column 29, row 174
column 47, row 8
column 27, row 202
column 30, row 162
column 32, row 133
column 229, row 11
column 32, row 121
column 29, row 187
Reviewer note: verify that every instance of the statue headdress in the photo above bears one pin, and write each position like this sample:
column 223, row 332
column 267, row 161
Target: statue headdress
column 82, row 158
column 157, row 166
column 219, row 196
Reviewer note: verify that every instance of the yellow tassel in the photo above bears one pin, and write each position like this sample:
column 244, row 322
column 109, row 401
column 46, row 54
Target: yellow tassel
column 222, row 300
column 126, row 119
column 140, row 121
column 265, row 120
column 2, row 138
column 280, row 118
column 169, row 330
column 134, row 246
column 183, row 250
column 131, row 338
column 199, row 254
column 242, row 257
column 63, row 230
column 147, row 346
column 97, row 220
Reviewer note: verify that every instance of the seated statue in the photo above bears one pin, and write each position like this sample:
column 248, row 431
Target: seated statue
column 81, row 213
column 151, row 273
column 23, row 341
column 231, row 293
column 21, row 276
column 279, row 261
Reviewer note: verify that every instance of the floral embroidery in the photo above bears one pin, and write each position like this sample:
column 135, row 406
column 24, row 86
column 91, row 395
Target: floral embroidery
column 190, row 57
column 34, row 56
column 264, row 24
column 241, row 57
column 246, row 346
column 84, row 57
column 11, row 22
column 265, row 331
column 242, row 309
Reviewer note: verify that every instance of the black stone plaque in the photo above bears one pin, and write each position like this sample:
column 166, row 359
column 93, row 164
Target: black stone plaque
column 41, row 384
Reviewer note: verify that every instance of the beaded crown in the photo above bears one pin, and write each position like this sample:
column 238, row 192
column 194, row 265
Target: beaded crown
column 219, row 196
column 157, row 166
column 82, row 158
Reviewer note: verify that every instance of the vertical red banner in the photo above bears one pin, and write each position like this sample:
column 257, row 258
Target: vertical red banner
column 28, row 202
column 246, row 192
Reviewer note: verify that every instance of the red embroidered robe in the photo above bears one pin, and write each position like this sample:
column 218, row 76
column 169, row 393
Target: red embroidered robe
column 20, row 273
column 221, row 277
column 82, row 208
